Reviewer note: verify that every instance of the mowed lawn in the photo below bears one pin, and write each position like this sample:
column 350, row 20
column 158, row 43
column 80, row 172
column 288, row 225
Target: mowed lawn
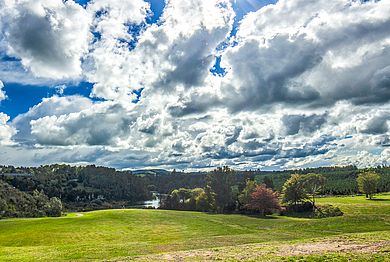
column 119, row 234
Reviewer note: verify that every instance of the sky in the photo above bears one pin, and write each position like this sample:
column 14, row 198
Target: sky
column 194, row 84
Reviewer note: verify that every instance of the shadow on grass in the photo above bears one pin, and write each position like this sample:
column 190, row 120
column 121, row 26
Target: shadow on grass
column 261, row 217
column 274, row 216
column 300, row 214
column 379, row 199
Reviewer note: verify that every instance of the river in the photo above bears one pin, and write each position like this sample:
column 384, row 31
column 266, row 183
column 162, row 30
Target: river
column 155, row 203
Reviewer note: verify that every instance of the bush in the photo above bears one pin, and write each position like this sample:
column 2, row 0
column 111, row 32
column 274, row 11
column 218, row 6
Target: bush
column 306, row 210
column 327, row 211
column 299, row 208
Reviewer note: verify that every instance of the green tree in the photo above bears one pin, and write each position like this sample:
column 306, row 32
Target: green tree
column 368, row 183
column 245, row 196
column 40, row 199
column 189, row 199
column 220, row 182
column 53, row 207
column 179, row 198
column 190, row 203
column 3, row 206
column 313, row 184
column 205, row 201
column 294, row 190
column 268, row 182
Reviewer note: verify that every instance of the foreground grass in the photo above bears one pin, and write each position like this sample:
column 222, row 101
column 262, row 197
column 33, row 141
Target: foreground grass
column 123, row 234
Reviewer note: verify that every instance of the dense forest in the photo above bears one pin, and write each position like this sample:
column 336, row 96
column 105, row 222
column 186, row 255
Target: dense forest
column 80, row 188
column 339, row 180
column 15, row 203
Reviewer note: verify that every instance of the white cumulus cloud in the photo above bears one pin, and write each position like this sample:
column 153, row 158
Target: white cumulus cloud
column 304, row 52
column 6, row 131
column 176, row 53
column 48, row 36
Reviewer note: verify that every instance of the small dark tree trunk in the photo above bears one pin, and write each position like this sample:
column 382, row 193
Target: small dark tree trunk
column 314, row 202
column 366, row 195
column 262, row 213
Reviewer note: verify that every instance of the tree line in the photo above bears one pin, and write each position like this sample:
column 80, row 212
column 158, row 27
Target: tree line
column 81, row 188
column 299, row 192
column 339, row 180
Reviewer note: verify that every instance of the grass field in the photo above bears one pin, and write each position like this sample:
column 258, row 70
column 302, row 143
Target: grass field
column 362, row 234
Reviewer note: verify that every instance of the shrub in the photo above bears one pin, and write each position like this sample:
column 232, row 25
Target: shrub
column 299, row 208
column 327, row 211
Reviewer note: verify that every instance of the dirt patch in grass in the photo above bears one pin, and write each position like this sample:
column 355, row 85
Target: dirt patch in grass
column 332, row 246
column 263, row 252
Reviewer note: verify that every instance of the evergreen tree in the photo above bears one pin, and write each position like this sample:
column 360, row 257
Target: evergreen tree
column 220, row 182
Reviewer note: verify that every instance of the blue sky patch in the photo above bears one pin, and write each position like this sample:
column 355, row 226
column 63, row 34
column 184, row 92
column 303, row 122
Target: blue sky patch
column 241, row 8
column 22, row 97
column 157, row 8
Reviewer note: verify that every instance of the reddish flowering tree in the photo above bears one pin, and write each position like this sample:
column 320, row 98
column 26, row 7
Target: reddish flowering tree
column 263, row 200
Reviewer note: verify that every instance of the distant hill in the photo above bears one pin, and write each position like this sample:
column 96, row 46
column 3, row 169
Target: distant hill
column 81, row 187
column 151, row 172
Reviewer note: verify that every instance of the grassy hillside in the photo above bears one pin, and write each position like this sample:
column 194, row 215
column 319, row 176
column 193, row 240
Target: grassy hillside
column 124, row 234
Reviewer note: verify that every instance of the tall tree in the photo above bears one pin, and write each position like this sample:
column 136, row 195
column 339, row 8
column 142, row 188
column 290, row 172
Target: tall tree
column 294, row 190
column 368, row 183
column 205, row 201
column 268, row 182
column 220, row 182
column 245, row 196
column 313, row 184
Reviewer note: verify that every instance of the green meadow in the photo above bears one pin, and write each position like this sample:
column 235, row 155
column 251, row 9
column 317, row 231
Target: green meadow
column 175, row 235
